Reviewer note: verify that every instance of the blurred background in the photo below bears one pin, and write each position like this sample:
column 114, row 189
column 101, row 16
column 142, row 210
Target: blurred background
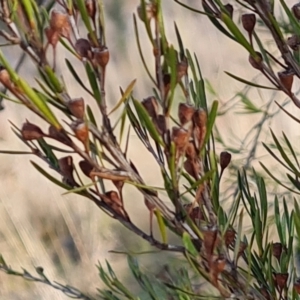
column 67, row 235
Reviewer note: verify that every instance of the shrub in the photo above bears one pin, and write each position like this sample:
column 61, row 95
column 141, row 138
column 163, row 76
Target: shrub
column 214, row 249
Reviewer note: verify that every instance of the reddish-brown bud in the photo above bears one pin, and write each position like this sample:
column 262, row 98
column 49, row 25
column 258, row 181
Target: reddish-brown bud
column 200, row 120
column 229, row 237
column 101, row 56
column 225, row 158
column 86, row 168
column 277, row 250
column 83, row 48
column 149, row 13
column 149, row 205
column 66, row 168
column 5, row 77
column 185, row 113
column 81, row 130
column 210, row 239
column 294, row 42
column 281, row 280
column 249, row 21
column 256, row 63
column 30, row 132
column 192, row 168
column 59, row 135
column 180, row 137
column 229, row 9
column 52, row 36
column 151, row 106
column 161, row 124
column 286, row 78
column 76, row 107
column 190, row 151
column 297, row 285
column 91, row 8
column 59, row 21
column 296, row 11
column 181, row 69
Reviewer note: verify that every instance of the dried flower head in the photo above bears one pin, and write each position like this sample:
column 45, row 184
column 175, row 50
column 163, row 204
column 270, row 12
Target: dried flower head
column 161, row 124
column 297, row 285
column 185, row 113
column 286, row 78
column 249, row 21
column 148, row 14
column 180, row 137
column 181, row 69
column 229, row 237
column 225, row 158
column 5, row 77
column 151, row 106
column 86, row 168
column 101, row 56
column 59, row 135
column 30, row 132
column 66, row 168
column 296, row 11
column 91, row 8
column 83, row 48
column 229, row 9
column 59, row 22
column 281, row 280
column 76, row 107
column 256, row 63
column 294, row 42
column 81, row 130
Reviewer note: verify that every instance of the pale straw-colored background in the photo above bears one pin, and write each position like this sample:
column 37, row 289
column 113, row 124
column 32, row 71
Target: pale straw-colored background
column 68, row 235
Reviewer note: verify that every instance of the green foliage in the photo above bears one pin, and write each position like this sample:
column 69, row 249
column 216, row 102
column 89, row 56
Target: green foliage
column 245, row 251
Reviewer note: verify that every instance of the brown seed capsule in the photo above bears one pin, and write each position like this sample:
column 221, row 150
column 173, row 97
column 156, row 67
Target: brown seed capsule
column 229, row 237
column 66, row 168
column 91, row 8
column 277, row 250
column 83, row 48
column 210, row 239
column 286, row 78
column 59, row 135
column 256, row 63
column 192, row 168
column 114, row 198
column 151, row 106
column 294, row 42
column 243, row 247
column 181, row 69
column 249, row 21
column 296, row 11
column 81, row 130
column 180, row 137
column 229, row 9
column 101, row 56
column 196, row 214
column 265, row 293
column 52, row 36
column 190, row 151
column 281, row 280
column 59, row 20
column 297, row 285
column 200, row 120
column 149, row 205
column 30, row 132
column 185, row 113
column 149, row 13
column 225, row 158
column 5, row 77
column 76, row 107
column 161, row 124
column 86, row 168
